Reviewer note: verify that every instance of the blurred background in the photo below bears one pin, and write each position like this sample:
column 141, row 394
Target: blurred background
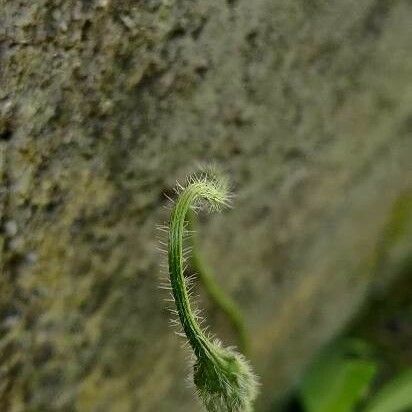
column 306, row 105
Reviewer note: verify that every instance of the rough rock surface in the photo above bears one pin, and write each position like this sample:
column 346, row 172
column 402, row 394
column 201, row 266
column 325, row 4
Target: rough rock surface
column 104, row 104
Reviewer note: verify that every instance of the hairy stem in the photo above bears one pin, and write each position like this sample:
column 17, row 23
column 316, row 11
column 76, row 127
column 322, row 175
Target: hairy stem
column 223, row 377
column 196, row 337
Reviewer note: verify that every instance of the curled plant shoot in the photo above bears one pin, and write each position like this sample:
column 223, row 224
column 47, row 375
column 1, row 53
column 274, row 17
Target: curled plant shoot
column 223, row 378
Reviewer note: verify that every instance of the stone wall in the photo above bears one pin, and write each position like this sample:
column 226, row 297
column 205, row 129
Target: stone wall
column 104, row 104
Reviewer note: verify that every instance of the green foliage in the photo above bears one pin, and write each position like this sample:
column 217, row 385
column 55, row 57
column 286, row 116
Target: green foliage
column 338, row 379
column 395, row 396
column 223, row 378
column 342, row 376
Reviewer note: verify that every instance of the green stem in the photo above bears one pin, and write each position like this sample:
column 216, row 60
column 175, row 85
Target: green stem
column 226, row 304
column 194, row 333
column 223, row 377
